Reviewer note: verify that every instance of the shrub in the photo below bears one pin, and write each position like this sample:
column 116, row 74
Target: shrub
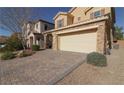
column 96, row 59
column 35, row 47
column 7, row 55
column 3, row 49
column 14, row 44
column 25, row 53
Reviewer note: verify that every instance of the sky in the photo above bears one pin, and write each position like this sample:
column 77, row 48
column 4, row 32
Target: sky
column 120, row 16
column 49, row 13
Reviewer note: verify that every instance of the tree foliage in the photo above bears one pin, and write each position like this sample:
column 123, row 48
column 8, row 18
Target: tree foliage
column 119, row 32
column 13, row 43
column 12, row 19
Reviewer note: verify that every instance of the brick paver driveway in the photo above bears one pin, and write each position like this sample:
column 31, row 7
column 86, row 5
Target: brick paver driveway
column 44, row 67
column 88, row 74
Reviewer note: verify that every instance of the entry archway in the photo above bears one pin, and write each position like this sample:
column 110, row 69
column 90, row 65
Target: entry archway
column 49, row 39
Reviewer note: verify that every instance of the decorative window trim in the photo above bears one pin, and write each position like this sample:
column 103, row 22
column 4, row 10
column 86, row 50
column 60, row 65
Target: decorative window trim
column 60, row 23
column 45, row 27
column 79, row 18
column 97, row 13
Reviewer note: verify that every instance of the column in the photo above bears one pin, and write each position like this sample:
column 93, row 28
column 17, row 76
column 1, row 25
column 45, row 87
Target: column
column 45, row 40
column 54, row 42
column 101, row 39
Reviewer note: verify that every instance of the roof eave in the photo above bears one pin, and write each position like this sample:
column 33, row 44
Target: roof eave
column 59, row 13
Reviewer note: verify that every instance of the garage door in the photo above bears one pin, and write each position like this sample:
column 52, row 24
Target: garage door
column 78, row 42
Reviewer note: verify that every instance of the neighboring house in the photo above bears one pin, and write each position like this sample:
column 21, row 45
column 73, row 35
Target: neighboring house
column 32, row 32
column 83, row 29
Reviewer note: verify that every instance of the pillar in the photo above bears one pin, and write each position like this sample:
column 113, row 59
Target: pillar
column 101, row 39
column 45, row 40
column 54, row 42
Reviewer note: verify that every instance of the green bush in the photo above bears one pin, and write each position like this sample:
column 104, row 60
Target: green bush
column 13, row 44
column 25, row 53
column 3, row 49
column 7, row 55
column 35, row 47
column 97, row 59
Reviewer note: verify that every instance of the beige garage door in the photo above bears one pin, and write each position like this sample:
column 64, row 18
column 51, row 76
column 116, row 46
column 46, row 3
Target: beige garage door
column 78, row 42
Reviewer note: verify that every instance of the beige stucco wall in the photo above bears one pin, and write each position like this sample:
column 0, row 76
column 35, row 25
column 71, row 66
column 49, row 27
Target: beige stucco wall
column 69, row 20
column 80, row 12
column 100, row 35
column 50, row 26
column 59, row 18
column 33, row 29
column 104, row 26
column 39, row 27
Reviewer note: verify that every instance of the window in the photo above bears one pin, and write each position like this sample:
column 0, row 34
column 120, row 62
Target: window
column 60, row 23
column 37, row 26
column 79, row 18
column 97, row 14
column 45, row 27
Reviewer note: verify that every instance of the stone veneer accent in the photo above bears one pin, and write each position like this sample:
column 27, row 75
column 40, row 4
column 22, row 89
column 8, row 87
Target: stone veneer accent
column 101, row 38
column 55, row 41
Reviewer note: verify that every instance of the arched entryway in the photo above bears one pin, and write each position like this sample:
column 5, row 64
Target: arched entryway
column 49, row 39
column 39, row 40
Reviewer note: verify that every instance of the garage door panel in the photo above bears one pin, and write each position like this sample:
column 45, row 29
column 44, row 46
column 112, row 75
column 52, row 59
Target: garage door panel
column 83, row 42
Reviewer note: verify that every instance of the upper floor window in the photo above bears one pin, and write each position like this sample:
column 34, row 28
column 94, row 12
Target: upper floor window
column 45, row 27
column 97, row 13
column 37, row 26
column 79, row 18
column 60, row 23
column 28, row 26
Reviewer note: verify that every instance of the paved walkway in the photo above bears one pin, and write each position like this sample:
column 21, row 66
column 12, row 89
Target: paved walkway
column 44, row 67
column 88, row 74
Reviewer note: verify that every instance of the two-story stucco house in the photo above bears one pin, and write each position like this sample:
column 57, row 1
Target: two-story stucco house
column 83, row 29
column 32, row 32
